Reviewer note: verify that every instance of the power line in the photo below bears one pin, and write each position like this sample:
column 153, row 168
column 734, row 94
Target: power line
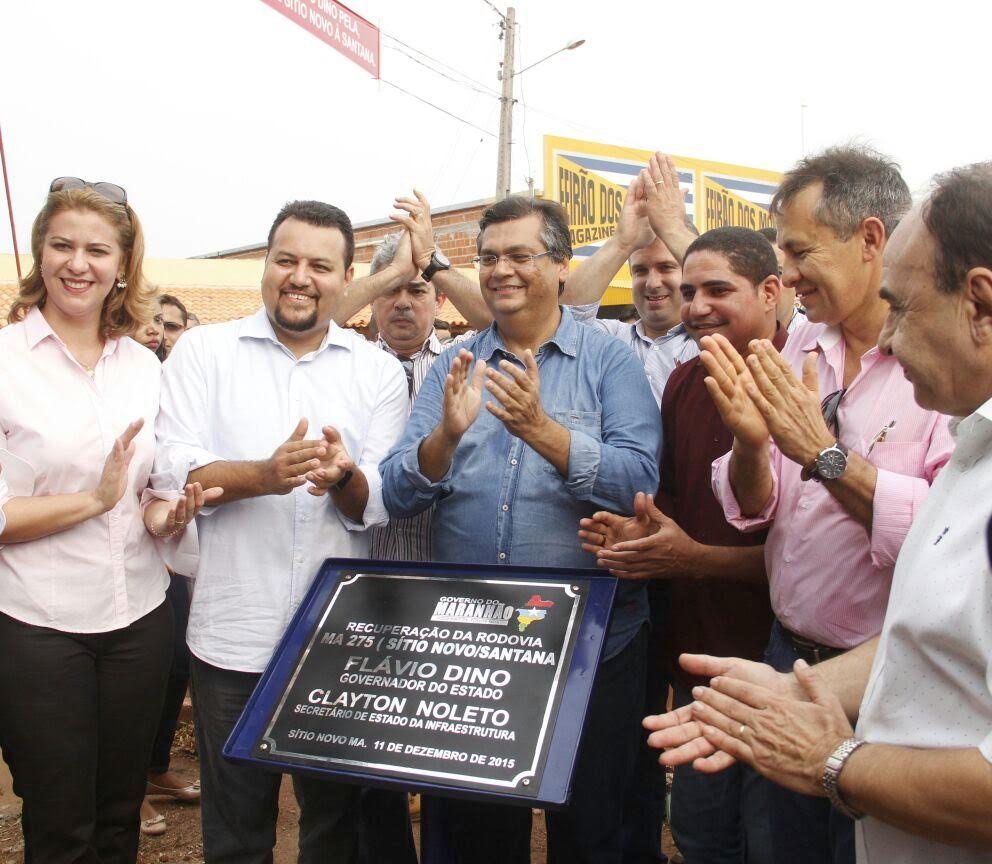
column 490, row 5
column 523, row 113
column 566, row 121
column 485, row 92
column 438, row 107
column 441, row 63
column 468, row 168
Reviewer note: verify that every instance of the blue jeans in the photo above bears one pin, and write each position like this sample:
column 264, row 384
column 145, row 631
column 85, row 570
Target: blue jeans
column 590, row 830
column 804, row 828
column 720, row 818
column 644, row 814
column 239, row 805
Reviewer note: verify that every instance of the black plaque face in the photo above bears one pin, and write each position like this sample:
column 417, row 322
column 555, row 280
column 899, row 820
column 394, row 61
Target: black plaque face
column 454, row 681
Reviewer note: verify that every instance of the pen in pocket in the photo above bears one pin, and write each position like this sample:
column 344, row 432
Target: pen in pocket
column 880, row 437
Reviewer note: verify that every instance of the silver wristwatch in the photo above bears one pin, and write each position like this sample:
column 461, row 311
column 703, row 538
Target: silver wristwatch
column 829, row 464
column 831, row 775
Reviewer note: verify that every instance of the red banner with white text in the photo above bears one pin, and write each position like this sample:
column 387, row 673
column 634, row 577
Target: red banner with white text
column 335, row 24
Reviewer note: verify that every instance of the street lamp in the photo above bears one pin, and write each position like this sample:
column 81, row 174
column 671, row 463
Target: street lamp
column 571, row 46
column 506, row 99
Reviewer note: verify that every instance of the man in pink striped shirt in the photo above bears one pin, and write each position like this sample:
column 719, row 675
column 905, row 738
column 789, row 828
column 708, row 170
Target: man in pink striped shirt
column 830, row 449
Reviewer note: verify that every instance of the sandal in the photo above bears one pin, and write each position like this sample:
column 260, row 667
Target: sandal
column 154, row 827
column 188, row 794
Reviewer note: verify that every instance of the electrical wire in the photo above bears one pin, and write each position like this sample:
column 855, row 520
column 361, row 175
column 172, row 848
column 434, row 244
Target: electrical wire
column 438, row 108
column 468, row 167
column 563, row 120
column 490, row 5
column 441, row 63
column 485, row 92
column 523, row 107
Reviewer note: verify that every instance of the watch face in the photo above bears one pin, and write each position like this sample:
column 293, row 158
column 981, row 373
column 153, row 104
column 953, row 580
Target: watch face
column 831, row 463
column 441, row 258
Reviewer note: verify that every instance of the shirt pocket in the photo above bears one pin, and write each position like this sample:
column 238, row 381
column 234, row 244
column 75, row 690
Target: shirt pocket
column 900, row 457
column 587, row 422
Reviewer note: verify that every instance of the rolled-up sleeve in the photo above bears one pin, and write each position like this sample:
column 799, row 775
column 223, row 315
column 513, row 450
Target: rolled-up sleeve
column 728, row 500
column 181, row 430
column 17, row 479
column 405, row 490
column 628, row 454
column 5, row 496
column 899, row 497
column 5, row 493
column 385, row 429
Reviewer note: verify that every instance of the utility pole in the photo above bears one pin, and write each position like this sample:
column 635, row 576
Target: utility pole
column 10, row 209
column 506, row 106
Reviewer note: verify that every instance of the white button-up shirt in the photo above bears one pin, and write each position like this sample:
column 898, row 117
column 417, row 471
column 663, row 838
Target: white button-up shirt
column 57, row 425
column 931, row 681
column 658, row 356
column 233, row 392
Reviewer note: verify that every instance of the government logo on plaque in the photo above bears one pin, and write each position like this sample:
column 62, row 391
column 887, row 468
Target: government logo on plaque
column 463, row 680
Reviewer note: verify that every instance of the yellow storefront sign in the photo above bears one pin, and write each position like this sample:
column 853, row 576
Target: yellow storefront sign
column 723, row 207
column 592, row 203
column 590, row 181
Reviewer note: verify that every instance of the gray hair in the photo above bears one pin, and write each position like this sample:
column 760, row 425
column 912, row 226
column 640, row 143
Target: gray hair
column 385, row 252
column 554, row 223
column 858, row 183
column 958, row 215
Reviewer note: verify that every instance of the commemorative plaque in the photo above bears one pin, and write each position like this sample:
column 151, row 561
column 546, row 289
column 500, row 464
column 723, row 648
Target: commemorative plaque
column 467, row 681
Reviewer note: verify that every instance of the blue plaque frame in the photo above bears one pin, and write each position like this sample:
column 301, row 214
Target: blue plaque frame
column 554, row 788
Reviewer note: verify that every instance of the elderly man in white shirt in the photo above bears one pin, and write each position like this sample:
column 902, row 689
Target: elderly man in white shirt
column 231, row 394
column 916, row 772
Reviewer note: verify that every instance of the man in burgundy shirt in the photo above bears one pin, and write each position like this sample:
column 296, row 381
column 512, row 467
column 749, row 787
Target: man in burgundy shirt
column 719, row 594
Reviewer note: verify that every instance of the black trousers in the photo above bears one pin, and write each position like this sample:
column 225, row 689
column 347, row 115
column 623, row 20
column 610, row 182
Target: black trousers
column 175, row 692
column 239, row 805
column 78, row 712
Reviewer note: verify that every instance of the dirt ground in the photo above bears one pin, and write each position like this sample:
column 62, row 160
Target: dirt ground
column 182, row 841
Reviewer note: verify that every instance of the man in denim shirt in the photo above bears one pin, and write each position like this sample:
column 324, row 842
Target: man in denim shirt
column 552, row 423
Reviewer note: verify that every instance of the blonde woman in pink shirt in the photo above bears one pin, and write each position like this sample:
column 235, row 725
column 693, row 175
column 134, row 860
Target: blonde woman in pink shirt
column 85, row 634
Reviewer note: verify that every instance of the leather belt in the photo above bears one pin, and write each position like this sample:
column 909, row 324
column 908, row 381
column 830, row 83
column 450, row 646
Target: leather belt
column 810, row 651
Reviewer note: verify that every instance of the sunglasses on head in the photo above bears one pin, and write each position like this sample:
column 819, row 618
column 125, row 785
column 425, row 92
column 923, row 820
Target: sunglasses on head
column 111, row 191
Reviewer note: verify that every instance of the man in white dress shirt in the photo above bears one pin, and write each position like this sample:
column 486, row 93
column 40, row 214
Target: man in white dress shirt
column 653, row 209
column 917, row 767
column 294, row 413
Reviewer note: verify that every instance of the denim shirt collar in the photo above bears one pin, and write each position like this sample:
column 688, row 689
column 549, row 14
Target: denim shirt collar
column 565, row 338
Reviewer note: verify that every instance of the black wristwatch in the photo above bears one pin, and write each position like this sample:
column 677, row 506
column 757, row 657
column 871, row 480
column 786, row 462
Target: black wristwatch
column 829, row 464
column 438, row 262
column 344, row 481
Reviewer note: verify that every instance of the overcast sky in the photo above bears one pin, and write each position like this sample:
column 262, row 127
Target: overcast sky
column 212, row 113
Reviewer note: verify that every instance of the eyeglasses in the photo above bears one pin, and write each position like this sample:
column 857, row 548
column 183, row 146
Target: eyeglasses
column 111, row 191
column 829, row 407
column 517, row 260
